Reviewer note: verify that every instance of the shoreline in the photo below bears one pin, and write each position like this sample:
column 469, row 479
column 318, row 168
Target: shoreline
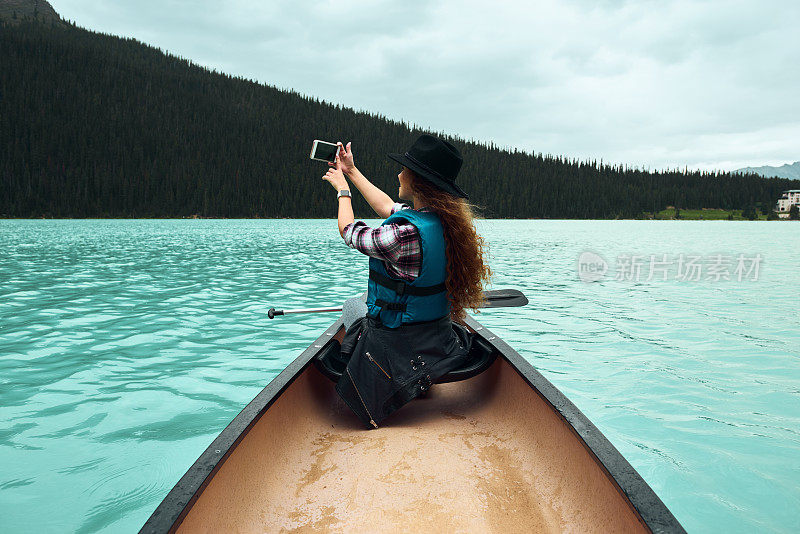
column 369, row 218
column 670, row 213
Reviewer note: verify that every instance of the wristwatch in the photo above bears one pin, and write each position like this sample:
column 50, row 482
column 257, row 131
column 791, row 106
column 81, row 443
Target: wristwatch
column 344, row 193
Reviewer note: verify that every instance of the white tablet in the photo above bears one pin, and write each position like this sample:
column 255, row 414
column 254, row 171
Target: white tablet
column 324, row 151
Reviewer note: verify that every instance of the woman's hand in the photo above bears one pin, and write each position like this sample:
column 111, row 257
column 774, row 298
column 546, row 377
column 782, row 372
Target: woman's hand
column 344, row 160
column 336, row 179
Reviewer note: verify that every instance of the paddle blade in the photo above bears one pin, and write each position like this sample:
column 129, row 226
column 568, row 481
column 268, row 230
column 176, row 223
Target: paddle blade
column 504, row 298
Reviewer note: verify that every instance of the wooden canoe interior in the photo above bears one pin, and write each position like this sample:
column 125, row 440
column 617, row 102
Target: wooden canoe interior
column 487, row 454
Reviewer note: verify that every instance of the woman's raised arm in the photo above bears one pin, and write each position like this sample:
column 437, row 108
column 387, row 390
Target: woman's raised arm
column 380, row 201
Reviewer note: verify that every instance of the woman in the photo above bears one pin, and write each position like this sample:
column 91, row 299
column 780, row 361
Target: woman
column 426, row 267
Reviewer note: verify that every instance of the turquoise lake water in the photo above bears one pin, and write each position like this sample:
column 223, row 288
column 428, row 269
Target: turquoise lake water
column 126, row 346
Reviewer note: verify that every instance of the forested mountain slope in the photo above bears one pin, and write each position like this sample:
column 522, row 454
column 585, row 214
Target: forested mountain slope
column 93, row 125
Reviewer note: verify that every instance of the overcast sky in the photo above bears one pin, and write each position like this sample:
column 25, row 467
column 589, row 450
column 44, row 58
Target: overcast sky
column 654, row 84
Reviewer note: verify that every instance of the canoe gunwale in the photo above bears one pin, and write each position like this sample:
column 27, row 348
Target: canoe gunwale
column 646, row 504
column 168, row 516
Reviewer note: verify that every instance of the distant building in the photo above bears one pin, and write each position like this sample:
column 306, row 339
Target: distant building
column 787, row 200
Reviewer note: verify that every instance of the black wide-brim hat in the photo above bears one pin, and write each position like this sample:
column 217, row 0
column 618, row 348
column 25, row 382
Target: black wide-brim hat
column 434, row 160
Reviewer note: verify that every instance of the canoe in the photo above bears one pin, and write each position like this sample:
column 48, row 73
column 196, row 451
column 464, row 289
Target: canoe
column 493, row 447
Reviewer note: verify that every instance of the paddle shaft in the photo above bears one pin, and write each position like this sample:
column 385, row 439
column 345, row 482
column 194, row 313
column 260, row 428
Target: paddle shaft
column 273, row 312
column 499, row 298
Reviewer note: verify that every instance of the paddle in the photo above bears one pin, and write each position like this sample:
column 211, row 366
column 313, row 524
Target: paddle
column 498, row 298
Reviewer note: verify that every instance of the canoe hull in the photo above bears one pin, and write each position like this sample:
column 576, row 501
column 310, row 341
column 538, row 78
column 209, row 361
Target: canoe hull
column 497, row 452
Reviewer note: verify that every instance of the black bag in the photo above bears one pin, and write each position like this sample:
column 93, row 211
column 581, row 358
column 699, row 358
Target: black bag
column 389, row 367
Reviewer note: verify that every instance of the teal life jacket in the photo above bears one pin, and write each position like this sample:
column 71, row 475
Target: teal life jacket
column 393, row 301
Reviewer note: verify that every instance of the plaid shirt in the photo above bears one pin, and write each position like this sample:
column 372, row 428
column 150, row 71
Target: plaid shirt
column 397, row 244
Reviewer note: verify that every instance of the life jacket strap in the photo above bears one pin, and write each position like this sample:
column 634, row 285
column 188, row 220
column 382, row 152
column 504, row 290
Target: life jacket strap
column 402, row 288
column 393, row 306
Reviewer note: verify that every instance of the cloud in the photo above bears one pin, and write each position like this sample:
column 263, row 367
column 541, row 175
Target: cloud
column 658, row 84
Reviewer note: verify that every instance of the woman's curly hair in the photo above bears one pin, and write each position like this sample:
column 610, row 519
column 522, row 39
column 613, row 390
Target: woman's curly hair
column 467, row 269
